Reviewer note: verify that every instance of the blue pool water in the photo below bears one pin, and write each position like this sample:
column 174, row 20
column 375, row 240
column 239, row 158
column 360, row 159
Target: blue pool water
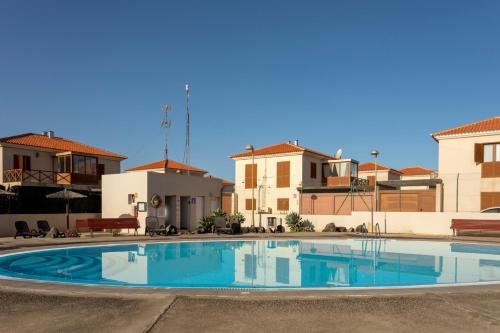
column 262, row 264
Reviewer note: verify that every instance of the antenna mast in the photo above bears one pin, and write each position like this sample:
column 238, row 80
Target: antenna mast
column 187, row 149
column 165, row 123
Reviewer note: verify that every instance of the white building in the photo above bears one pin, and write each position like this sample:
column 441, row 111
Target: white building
column 273, row 174
column 183, row 193
column 469, row 165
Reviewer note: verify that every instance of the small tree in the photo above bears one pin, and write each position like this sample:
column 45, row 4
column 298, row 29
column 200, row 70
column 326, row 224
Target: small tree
column 219, row 212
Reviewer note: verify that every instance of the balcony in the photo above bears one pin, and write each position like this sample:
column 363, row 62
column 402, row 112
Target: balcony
column 48, row 177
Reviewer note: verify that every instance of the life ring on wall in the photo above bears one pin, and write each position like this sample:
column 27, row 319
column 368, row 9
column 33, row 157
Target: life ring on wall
column 155, row 201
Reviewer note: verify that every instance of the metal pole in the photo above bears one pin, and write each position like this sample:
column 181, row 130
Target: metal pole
column 254, row 183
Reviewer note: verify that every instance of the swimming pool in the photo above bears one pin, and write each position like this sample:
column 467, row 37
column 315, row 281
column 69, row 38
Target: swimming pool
column 338, row 263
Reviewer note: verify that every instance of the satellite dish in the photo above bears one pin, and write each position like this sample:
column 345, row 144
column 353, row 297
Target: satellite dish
column 338, row 154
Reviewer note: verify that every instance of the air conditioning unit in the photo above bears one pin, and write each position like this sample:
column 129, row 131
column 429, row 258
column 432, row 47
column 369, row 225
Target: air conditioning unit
column 267, row 210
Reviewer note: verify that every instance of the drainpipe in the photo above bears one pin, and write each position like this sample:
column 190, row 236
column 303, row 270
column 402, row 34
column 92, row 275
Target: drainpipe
column 456, row 199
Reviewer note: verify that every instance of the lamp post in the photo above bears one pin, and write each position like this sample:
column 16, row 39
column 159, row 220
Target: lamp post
column 254, row 181
column 375, row 154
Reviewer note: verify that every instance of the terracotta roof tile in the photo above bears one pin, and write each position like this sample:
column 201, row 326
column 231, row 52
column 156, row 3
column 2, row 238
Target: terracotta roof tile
column 56, row 143
column 280, row 148
column 224, row 181
column 174, row 165
column 485, row 125
column 370, row 166
column 416, row 170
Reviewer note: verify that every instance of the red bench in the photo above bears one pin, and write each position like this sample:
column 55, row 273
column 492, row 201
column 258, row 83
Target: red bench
column 108, row 223
column 464, row 224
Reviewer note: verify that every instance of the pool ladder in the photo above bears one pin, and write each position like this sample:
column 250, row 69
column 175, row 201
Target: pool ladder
column 376, row 230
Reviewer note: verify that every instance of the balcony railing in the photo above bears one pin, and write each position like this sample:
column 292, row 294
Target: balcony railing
column 47, row 177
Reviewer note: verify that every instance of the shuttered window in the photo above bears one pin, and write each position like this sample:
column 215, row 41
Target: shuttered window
column 478, row 153
column 27, row 162
column 248, row 204
column 313, row 170
column 490, row 199
column 283, row 174
column 17, row 164
column 250, row 176
column 283, row 204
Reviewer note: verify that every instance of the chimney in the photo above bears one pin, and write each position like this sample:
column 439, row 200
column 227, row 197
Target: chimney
column 50, row 134
column 296, row 142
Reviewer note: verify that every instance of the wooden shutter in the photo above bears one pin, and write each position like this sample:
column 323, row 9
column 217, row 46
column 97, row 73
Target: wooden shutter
column 250, row 177
column 283, row 204
column 17, row 164
column 371, row 180
column 478, row 153
column 283, row 174
column 313, row 170
column 27, row 162
column 248, row 204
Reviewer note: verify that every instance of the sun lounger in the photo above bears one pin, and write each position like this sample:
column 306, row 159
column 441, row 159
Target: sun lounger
column 23, row 230
column 220, row 226
column 44, row 229
column 153, row 227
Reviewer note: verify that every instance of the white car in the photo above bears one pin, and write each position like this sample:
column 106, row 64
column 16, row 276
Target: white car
column 491, row 210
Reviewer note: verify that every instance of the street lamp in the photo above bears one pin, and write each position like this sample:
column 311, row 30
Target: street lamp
column 375, row 154
column 250, row 148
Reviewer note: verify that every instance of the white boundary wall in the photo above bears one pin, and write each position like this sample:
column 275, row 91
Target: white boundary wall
column 7, row 228
column 425, row 223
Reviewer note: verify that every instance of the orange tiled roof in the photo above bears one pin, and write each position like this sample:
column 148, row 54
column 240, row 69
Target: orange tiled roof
column 370, row 166
column 171, row 165
column 280, row 148
column 485, row 125
column 56, row 143
column 416, row 170
column 224, row 181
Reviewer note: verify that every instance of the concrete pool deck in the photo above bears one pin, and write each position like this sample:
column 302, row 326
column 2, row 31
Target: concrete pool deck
column 27, row 306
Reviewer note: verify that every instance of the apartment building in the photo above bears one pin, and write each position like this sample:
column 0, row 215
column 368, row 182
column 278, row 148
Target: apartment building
column 268, row 179
column 469, row 165
column 31, row 159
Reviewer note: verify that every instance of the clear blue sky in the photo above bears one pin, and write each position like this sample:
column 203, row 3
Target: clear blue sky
column 333, row 74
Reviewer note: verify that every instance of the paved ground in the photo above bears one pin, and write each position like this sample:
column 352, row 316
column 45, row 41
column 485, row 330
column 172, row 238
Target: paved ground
column 45, row 307
column 424, row 312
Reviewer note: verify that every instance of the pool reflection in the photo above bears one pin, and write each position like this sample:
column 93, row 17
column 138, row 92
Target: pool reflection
column 293, row 264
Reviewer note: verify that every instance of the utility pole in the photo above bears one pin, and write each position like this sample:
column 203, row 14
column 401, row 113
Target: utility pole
column 165, row 123
column 187, row 148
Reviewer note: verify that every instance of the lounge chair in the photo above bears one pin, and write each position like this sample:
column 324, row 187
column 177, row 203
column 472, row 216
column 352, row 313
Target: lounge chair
column 23, row 230
column 44, row 229
column 220, row 225
column 153, row 227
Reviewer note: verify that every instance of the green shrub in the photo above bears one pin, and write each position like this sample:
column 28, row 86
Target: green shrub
column 296, row 224
column 206, row 223
column 219, row 212
column 237, row 217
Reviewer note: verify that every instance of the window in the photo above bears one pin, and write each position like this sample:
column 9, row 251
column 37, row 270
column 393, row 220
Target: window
column 64, row 164
column 250, row 266
column 17, row 162
column 488, row 153
column 283, row 174
column 250, row 175
column 326, row 170
column 84, row 165
column 497, row 150
column 354, row 170
column 313, row 170
column 78, row 164
column 22, row 162
column 283, row 204
column 340, row 169
column 248, row 204
column 27, row 162
column 283, row 270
